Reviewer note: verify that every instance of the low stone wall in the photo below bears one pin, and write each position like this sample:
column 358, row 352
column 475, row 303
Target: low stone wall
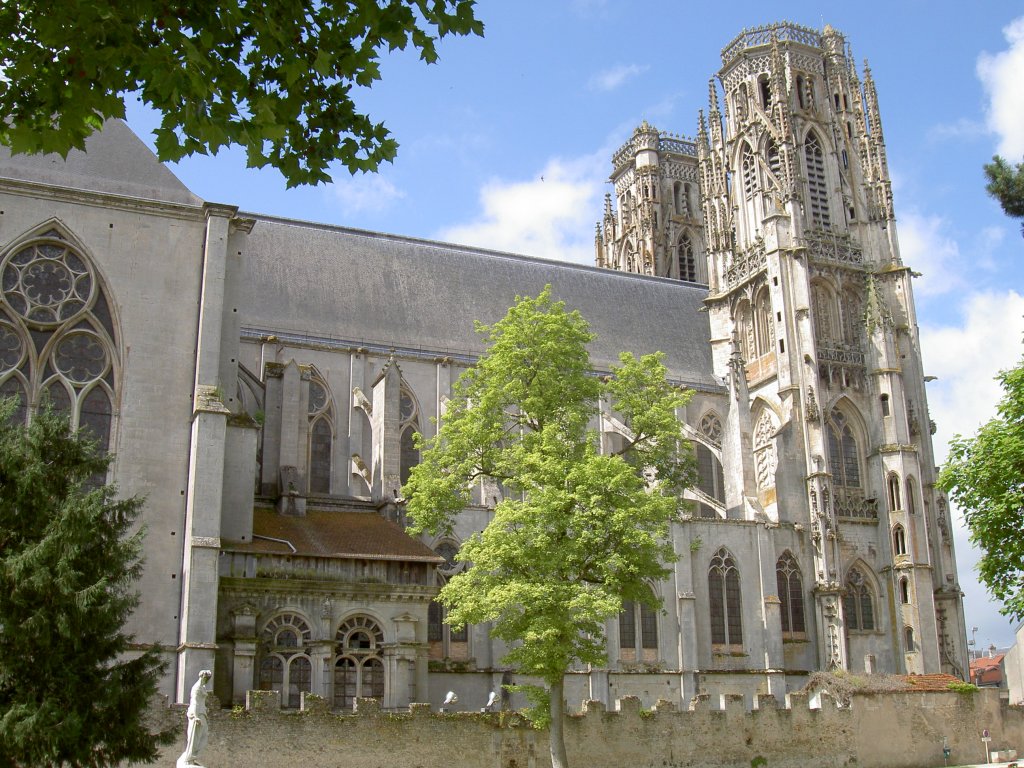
column 890, row 730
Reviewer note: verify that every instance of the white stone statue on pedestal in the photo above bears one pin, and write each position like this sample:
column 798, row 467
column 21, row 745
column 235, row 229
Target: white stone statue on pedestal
column 198, row 726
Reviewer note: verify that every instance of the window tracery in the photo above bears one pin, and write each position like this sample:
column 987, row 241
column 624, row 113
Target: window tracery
column 685, row 260
column 321, row 435
column 724, row 599
column 711, row 427
column 358, row 666
column 816, row 186
column 57, row 339
column 858, row 602
column 899, row 540
column 843, row 452
column 284, row 664
column 791, row 594
column 710, row 479
column 408, row 414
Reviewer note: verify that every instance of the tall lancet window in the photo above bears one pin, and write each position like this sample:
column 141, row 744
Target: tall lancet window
column 816, row 188
column 724, row 599
column 748, row 165
column 58, row 342
column 408, row 413
column 321, row 436
column 685, row 258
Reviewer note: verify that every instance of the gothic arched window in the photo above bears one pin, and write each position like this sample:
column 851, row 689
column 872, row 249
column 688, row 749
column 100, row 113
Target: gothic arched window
column 764, row 327
column 748, row 166
column 904, row 590
column 911, row 496
column 284, row 661
column 791, row 594
column 685, row 259
column 321, row 435
column 745, row 330
column 899, row 540
column 816, row 186
column 843, row 454
column 893, row 486
column 358, row 663
column 853, row 317
column 446, row 643
column 408, row 414
column 57, row 336
column 858, row 602
column 908, row 639
column 724, row 600
column 774, row 162
column 638, row 632
column 710, row 478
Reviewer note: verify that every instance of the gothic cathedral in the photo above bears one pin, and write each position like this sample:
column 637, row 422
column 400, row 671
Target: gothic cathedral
column 260, row 381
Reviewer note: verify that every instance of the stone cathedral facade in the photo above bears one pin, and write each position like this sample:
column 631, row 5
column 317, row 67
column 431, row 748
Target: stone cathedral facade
column 260, row 379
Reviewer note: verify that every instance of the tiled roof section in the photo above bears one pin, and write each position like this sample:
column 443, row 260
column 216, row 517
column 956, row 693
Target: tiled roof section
column 350, row 535
column 987, row 670
column 929, row 682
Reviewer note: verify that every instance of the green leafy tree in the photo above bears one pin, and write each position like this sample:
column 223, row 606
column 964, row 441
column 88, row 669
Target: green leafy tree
column 579, row 531
column 1006, row 184
column 984, row 475
column 276, row 78
column 70, row 693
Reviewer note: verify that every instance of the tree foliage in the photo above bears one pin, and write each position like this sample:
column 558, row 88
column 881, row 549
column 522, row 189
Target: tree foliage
column 276, row 78
column 69, row 695
column 984, row 475
column 578, row 531
column 1006, row 184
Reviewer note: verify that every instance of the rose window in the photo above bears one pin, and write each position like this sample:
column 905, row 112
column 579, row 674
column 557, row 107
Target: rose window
column 46, row 284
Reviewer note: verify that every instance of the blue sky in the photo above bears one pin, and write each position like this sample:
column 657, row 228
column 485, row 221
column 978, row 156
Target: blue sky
column 506, row 143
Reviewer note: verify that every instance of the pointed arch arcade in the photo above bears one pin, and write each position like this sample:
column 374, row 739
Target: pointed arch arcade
column 58, row 336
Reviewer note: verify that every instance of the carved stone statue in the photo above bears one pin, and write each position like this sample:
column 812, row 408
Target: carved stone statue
column 198, row 726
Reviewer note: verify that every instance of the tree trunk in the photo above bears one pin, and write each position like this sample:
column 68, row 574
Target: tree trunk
column 556, row 734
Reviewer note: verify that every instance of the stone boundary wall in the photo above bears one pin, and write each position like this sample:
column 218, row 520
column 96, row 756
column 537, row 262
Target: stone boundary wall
column 890, row 730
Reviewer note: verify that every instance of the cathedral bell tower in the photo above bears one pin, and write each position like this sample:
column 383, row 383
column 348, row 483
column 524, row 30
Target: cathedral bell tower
column 812, row 306
column 654, row 225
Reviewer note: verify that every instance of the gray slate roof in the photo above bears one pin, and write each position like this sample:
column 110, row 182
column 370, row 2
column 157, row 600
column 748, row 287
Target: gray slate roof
column 115, row 161
column 399, row 292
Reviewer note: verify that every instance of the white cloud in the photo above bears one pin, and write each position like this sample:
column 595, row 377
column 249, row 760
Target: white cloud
column 961, row 129
column 612, row 78
column 1000, row 74
column 366, row 193
column 927, row 248
column 551, row 216
column 966, row 359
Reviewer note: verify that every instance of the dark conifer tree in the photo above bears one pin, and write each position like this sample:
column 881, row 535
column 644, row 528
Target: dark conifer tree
column 72, row 692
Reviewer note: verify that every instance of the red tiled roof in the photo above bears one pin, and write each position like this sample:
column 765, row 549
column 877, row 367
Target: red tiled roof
column 349, row 535
column 929, row 682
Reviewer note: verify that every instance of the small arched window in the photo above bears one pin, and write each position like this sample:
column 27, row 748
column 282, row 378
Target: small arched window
column 724, row 600
column 899, row 540
column 748, row 166
column 904, row 590
column 638, row 631
column 908, row 639
column 858, row 602
column 791, row 594
column 911, row 496
column 893, row 485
